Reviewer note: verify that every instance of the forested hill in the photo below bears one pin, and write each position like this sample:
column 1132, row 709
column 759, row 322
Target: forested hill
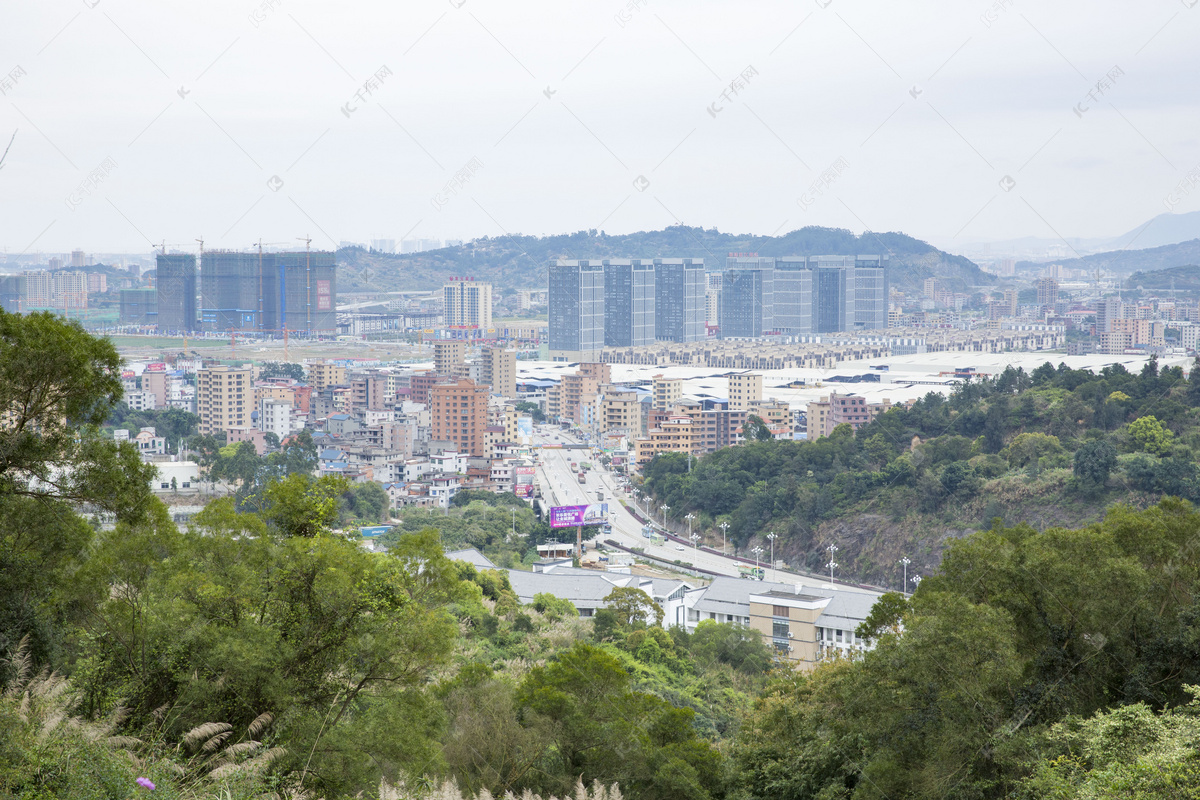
column 520, row 261
column 1055, row 447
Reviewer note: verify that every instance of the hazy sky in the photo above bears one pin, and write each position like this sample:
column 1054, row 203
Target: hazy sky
column 952, row 121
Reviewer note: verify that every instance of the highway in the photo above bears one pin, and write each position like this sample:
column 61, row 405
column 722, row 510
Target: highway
column 560, row 486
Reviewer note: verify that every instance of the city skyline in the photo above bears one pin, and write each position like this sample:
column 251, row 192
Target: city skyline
column 950, row 123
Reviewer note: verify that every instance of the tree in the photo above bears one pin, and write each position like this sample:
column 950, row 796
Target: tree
column 272, row 439
column 302, row 506
column 633, row 607
column 757, row 430
column 1149, row 436
column 1094, row 461
column 367, row 501
column 1193, row 386
column 532, row 409
column 282, row 369
column 58, row 384
column 887, row 615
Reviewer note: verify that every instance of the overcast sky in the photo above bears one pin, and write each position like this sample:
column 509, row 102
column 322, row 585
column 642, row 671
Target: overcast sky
column 951, row 121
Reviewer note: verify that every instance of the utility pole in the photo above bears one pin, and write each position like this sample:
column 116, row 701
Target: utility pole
column 833, row 548
column 774, row 570
column 905, row 562
column 724, row 526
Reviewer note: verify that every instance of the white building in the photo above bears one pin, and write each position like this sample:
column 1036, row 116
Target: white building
column 275, row 416
column 140, row 401
column 184, row 475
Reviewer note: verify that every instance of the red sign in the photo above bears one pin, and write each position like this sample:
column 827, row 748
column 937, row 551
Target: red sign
column 159, row 367
column 323, row 298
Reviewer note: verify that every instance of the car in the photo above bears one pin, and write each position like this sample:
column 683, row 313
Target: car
column 680, row 547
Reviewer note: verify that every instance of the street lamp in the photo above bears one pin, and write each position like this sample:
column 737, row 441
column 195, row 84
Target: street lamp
column 916, row 581
column 757, row 551
column 833, row 548
column 690, row 516
column 724, row 526
column 774, row 571
column 664, row 510
column 695, row 537
column 904, row 562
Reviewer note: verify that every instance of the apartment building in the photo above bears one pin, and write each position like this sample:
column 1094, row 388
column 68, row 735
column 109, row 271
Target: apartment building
column 459, row 415
column 677, row 433
column 467, row 303
column 323, row 374
column 224, row 398
column 827, row 413
column 449, row 357
column 275, row 416
column 621, row 412
column 500, row 370
column 745, row 390
column 667, row 392
column 804, row 627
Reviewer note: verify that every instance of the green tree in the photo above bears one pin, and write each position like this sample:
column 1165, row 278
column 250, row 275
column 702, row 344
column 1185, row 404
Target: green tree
column 887, row 615
column 303, row 506
column 367, row 501
column 532, row 409
column 755, row 429
column 282, row 369
column 1148, row 435
column 1094, row 461
column 633, row 607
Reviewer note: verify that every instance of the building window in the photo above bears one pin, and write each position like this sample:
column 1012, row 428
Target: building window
column 780, row 630
column 779, row 611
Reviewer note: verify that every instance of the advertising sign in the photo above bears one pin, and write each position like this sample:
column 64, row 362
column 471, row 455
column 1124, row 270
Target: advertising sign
column 571, row 516
column 323, row 298
column 523, row 490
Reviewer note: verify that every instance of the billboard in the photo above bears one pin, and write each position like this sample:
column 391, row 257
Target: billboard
column 525, row 430
column 571, row 516
column 523, row 490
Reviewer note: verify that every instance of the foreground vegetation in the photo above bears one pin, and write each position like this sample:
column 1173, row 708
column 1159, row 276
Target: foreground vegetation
column 260, row 654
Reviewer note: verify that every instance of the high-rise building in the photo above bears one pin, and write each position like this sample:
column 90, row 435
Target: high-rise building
column 12, row 291
column 138, row 307
column 38, row 290
column 679, row 307
column 747, row 297
column 1047, row 292
column 629, row 303
column 322, row 374
column 224, row 398
column 467, row 303
column 78, row 258
column 458, row 411
column 1107, row 310
column 576, row 300
column 500, row 370
column 834, row 293
column 69, row 290
column 870, row 298
column 793, row 295
column 745, row 390
column 268, row 291
column 176, row 287
column 449, row 356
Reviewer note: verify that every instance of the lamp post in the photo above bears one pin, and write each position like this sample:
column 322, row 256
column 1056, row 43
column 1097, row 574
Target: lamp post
column 774, row 571
column 916, row 581
column 695, row 537
column 833, row 548
column 664, row 510
column 724, row 526
column 757, row 551
column 690, row 516
column 904, row 562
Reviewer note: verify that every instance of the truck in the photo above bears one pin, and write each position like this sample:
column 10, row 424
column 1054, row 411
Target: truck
column 753, row 573
column 583, row 477
column 599, row 495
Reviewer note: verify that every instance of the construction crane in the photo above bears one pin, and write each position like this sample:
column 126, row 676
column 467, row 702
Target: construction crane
column 307, row 280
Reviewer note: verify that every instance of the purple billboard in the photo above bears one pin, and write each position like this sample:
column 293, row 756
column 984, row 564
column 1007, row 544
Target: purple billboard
column 573, row 516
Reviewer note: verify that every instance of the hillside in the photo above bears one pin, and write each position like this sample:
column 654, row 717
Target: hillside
column 520, row 261
column 1052, row 448
column 1183, row 280
column 1125, row 262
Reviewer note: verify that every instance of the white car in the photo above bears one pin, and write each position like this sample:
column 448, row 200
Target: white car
column 680, row 547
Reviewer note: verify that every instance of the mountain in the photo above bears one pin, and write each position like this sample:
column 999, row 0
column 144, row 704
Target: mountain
column 516, row 261
column 1185, row 280
column 1165, row 229
column 1125, row 262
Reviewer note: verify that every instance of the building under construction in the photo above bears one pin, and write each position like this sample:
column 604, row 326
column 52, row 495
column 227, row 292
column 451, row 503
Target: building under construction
column 175, row 281
column 264, row 292
column 140, row 307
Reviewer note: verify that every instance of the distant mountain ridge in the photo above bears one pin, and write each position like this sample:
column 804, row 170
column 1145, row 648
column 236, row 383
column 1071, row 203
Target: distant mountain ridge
column 516, row 261
column 1124, row 263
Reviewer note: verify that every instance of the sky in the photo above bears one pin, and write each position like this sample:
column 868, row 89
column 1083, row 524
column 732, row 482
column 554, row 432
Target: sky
column 233, row 121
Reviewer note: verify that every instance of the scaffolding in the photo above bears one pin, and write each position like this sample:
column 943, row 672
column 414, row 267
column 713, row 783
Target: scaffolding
column 269, row 292
column 176, row 286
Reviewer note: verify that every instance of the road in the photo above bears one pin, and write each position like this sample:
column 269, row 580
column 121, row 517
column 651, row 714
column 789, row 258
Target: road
column 560, row 486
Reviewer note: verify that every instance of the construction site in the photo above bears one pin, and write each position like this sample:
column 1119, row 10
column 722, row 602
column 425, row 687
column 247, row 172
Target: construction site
column 247, row 292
